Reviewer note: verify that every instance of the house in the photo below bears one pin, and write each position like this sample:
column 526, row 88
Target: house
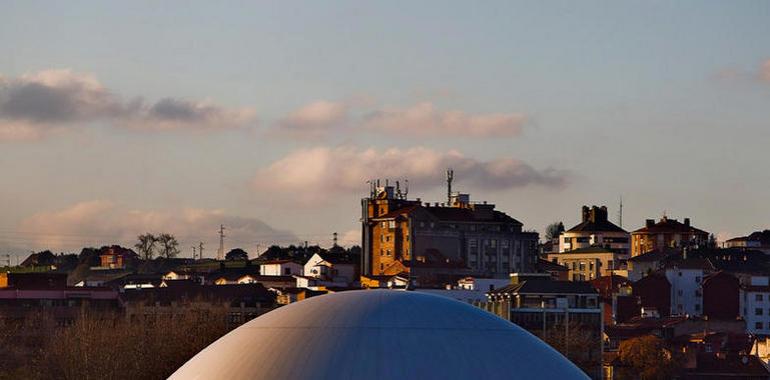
column 588, row 263
column 721, row 296
column 667, row 233
column 755, row 305
column 595, row 230
column 330, row 267
column 654, row 293
column 31, row 293
column 440, row 243
column 759, row 240
column 400, row 280
column 115, row 257
column 685, row 277
column 646, row 263
column 280, row 268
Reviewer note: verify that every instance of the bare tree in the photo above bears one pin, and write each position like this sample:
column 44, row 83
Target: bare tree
column 146, row 245
column 169, row 247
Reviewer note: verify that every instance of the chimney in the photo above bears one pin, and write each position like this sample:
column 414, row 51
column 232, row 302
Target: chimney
column 586, row 213
column 649, row 223
column 687, row 222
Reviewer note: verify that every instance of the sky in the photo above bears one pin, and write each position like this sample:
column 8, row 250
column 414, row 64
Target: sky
column 118, row 118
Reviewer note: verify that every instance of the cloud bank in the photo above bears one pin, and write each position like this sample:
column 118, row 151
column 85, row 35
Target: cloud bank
column 312, row 174
column 315, row 119
column 98, row 222
column 34, row 105
column 424, row 119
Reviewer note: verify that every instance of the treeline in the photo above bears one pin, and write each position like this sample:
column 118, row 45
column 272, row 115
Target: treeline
column 105, row 346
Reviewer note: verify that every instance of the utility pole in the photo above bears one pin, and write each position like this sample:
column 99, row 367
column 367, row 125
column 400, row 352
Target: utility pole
column 221, row 251
column 193, row 248
column 200, row 250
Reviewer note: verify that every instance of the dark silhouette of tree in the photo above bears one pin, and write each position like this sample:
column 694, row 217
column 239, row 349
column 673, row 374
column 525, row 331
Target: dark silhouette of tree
column 146, row 245
column 168, row 246
column 554, row 230
column 236, row 254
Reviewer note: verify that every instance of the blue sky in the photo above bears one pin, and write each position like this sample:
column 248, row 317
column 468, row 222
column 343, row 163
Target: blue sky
column 661, row 102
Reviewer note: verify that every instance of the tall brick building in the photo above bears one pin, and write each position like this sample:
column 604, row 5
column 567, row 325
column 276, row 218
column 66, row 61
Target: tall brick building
column 438, row 243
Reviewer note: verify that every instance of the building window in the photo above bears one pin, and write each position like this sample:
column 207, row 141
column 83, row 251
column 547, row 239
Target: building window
column 758, row 326
column 382, row 266
column 758, row 297
column 566, row 240
column 392, row 224
column 382, row 252
column 697, row 307
column 384, row 224
column 758, row 311
column 697, row 279
column 287, row 271
column 680, row 292
column 388, row 251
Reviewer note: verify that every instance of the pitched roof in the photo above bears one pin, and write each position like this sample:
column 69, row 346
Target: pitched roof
column 667, row 225
column 458, row 214
column 691, row 263
column 599, row 225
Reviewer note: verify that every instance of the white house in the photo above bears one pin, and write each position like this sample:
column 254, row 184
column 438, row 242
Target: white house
column 280, row 268
column 686, row 278
column 329, row 267
column 755, row 305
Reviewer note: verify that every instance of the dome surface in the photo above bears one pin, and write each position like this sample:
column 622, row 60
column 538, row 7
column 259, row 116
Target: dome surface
column 378, row 334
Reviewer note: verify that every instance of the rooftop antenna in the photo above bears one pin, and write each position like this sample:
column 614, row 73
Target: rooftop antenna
column 398, row 190
column 200, row 250
column 450, row 175
column 221, row 251
column 620, row 213
column 194, row 248
column 406, row 188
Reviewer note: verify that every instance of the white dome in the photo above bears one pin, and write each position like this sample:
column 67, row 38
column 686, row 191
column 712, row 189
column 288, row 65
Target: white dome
column 378, row 334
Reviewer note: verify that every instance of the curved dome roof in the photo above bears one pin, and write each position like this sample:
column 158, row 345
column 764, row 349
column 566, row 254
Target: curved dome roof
column 378, row 334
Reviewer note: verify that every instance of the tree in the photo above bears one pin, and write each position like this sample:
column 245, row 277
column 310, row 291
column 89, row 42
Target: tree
column 236, row 254
column 554, row 230
column 146, row 245
column 168, row 246
column 645, row 357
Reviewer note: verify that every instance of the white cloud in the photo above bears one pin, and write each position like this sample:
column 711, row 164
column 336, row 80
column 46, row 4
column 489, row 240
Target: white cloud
column 98, row 222
column 316, row 173
column 33, row 105
column 423, row 119
column 314, row 119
